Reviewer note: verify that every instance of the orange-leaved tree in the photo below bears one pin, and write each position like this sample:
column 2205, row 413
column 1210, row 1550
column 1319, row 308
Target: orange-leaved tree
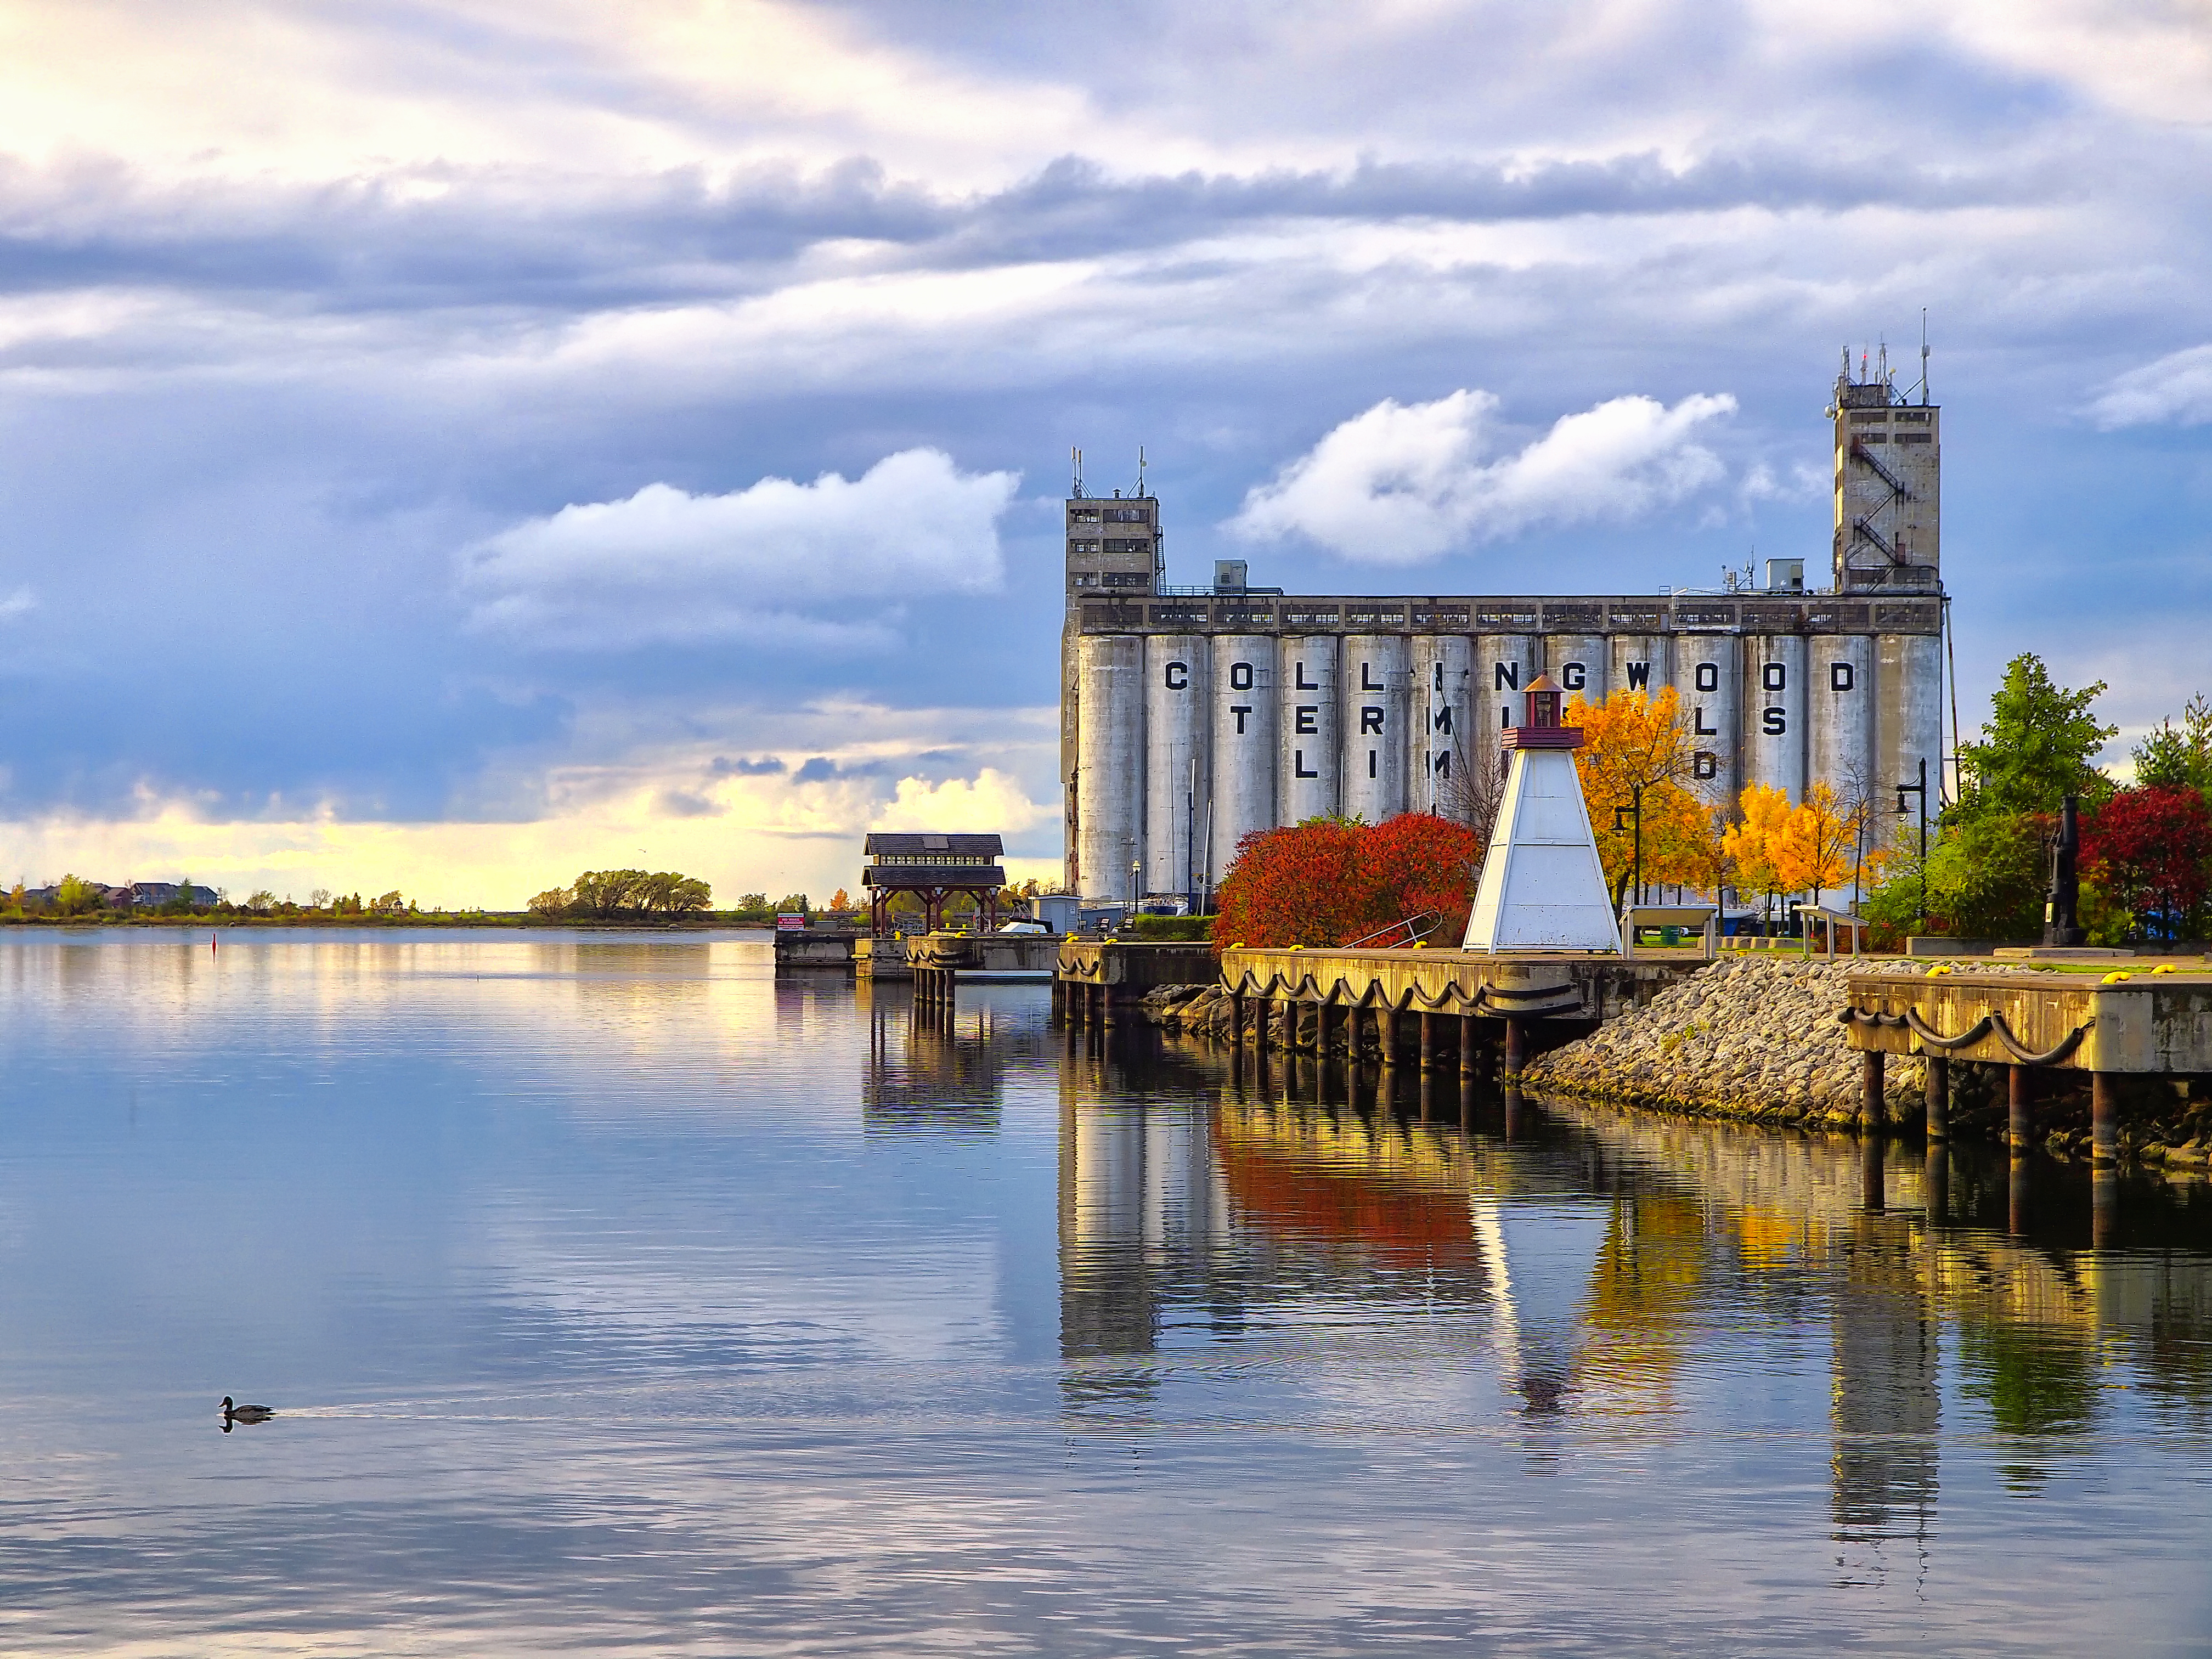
column 1634, row 744
column 1812, row 845
column 1754, row 842
column 1331, row 880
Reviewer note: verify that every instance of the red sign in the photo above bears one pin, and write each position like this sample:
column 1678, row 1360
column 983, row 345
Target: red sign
column 788, row 923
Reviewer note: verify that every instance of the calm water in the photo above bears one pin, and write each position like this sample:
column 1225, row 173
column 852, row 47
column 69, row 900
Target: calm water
column 615, row 1296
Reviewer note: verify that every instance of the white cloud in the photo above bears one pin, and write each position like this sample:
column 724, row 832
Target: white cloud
column 991, row 801
column 1404, row 483
column 2177, row 388
column 19, row 603
column 668, row 566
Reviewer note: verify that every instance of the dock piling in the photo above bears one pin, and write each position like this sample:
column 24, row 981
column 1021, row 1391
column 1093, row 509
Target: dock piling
column 1939, row 1097
column 2020, row 1082
column 2104, row 1118
column 1874, row 1113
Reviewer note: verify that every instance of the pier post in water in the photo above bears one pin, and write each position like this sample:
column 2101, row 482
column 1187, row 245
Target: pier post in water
column 1467, row 1045
column 1428, row 1041
column 1874, row 1112
column 1939, row 1097
column 2104, row 1118
column 1237, row 1019
column 1386, row 1033
column 2019, row 1085
column 1517, row 1047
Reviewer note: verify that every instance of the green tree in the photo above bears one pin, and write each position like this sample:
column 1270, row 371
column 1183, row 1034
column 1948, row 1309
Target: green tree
column 2037, row 748
column 2172, row 758
column 76, row 896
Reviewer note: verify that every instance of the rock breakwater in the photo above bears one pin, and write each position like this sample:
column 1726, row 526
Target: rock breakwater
column 1759, row 1040
column 1754, row 1039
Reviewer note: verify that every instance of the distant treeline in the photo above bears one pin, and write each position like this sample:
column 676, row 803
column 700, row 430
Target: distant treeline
column 613, row 894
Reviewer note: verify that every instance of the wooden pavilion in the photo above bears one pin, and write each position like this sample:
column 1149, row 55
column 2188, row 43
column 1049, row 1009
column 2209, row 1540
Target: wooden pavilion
column 933, row 867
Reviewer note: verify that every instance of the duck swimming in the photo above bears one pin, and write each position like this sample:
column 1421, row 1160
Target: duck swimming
column 233, row 1413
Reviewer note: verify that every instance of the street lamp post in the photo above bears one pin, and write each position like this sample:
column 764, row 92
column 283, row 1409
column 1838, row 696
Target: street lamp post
column 1921, row 790
column 1136, row 880
column 1633, row 809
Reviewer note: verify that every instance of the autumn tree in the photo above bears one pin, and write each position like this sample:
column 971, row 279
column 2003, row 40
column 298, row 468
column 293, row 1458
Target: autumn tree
column 1754, row 842
column 2150, row 850
column 1334, row 880
column 1812, row 845
column 1635, row 747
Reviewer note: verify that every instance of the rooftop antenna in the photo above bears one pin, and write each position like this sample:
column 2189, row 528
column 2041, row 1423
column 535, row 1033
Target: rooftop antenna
column 1923, row 356
column 1140, row 472
column 1076, row 490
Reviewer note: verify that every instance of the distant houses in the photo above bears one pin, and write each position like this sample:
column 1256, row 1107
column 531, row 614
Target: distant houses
column 132, row 896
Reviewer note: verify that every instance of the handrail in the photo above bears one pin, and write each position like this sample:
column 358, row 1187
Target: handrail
column 1413, row 934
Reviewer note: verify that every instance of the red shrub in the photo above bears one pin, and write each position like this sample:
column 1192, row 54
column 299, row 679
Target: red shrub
column 1330, row 881
column 2150, row 850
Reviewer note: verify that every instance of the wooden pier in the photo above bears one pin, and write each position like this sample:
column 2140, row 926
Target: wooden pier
column 2135, row 1022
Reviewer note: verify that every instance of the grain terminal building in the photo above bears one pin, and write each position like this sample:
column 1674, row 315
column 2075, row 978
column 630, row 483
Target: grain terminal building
column 1191, row 717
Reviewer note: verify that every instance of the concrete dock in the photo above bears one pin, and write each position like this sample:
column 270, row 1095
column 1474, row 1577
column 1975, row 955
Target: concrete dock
column 1521, row 1004
column 2134, row 1022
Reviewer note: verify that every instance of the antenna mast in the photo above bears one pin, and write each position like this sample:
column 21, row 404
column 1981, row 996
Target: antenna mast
column 1076, row 489
column 1140, row 472
column 1923, row 356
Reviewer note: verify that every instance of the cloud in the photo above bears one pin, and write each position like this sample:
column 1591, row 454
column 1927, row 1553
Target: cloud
column 1405, row 483
column 991, row 801
column 767, row 767
column 20, row 603
column 2176, row 389
column 668, row 567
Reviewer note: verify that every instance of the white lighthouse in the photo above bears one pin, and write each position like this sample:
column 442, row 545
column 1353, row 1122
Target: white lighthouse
column 1543, row 887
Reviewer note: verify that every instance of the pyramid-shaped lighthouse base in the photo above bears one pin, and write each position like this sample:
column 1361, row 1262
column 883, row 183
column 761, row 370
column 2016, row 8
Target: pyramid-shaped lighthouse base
column 1542, row 887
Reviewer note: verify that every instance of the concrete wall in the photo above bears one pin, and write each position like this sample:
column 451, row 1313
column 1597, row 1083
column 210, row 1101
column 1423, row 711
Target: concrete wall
column 1284, row 727
column 1579, row 662
column 1505, row 664
column 1178, row 670
column 1638, row 662
column 1908, row 717
column 1245, row 704
column 1109, row 779
column 1378, row 705
column 1709, row 684
column 1839, row 711
column 1774, row 712
column 1308, row 778
column 1442, row 717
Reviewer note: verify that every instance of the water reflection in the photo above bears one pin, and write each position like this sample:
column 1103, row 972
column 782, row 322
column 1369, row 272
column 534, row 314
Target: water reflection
column 616, row 1295
column 1600, row 1258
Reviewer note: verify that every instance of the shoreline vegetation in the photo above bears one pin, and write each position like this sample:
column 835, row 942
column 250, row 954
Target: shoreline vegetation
column 702, row 921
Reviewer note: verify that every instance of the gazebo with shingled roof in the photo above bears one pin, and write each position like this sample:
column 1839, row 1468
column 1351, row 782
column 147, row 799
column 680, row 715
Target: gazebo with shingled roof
column 933, row 867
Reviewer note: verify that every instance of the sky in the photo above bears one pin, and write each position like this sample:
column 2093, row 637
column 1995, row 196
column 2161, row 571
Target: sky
column 445, row 448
